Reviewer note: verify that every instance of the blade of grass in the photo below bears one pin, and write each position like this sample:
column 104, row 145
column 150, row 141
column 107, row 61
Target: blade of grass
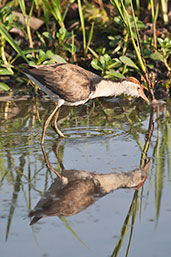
column 27, row 19
column 93, row 53
column 160, row 166
column 125, row 18
column 154, row 18
column 125, row 227
column 71, row 230
column 11, row 41
column 2, row 53
column 138, row 7
column 82, row 24
column 55, row 10
column 117, row 6
column 168, row 144
column 134, row 215
column 46, row 17
column 73, row 48
column 137, row 51
column 90, row 37
column 137, row 47
column 148, row 138
column 66, row 9
column 13, row 204
column 164, row 6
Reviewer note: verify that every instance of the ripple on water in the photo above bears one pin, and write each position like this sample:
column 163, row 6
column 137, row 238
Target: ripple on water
column 24, row 140
column 90, row 133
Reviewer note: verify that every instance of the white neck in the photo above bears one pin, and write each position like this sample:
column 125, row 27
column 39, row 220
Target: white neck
column 107, row 88
column 112, row 181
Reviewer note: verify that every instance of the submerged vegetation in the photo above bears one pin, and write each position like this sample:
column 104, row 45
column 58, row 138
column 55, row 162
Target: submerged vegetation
column 112, row 38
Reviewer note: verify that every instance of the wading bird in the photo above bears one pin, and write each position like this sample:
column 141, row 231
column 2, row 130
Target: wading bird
column 76, row 190
column 69, row 84
column 82, row 190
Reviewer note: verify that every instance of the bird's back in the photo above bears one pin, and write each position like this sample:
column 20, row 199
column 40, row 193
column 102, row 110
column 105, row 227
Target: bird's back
column 70, row 82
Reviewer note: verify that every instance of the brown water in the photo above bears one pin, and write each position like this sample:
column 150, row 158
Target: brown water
column 103, row 136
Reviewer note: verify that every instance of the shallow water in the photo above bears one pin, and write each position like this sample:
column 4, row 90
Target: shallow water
column 103, row 136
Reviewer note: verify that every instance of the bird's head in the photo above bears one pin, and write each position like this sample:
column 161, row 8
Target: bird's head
column 134, row 88
column 136, row 178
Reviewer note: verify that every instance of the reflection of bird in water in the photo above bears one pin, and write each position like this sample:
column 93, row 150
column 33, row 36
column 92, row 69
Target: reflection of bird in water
column 81, row 190
column 69, row 84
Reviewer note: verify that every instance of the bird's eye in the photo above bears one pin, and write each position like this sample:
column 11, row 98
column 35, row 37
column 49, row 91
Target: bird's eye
column 142, row 177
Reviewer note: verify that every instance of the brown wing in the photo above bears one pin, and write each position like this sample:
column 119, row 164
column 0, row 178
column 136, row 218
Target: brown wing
column 71, row 82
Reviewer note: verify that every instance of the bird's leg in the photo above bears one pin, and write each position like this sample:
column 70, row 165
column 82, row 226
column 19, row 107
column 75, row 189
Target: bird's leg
column 54, row 124
column 56, row 151
column 47, row 123
column 49, row 165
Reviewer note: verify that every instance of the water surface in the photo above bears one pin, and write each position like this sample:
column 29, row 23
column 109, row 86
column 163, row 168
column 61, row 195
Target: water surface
column 102, row 136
